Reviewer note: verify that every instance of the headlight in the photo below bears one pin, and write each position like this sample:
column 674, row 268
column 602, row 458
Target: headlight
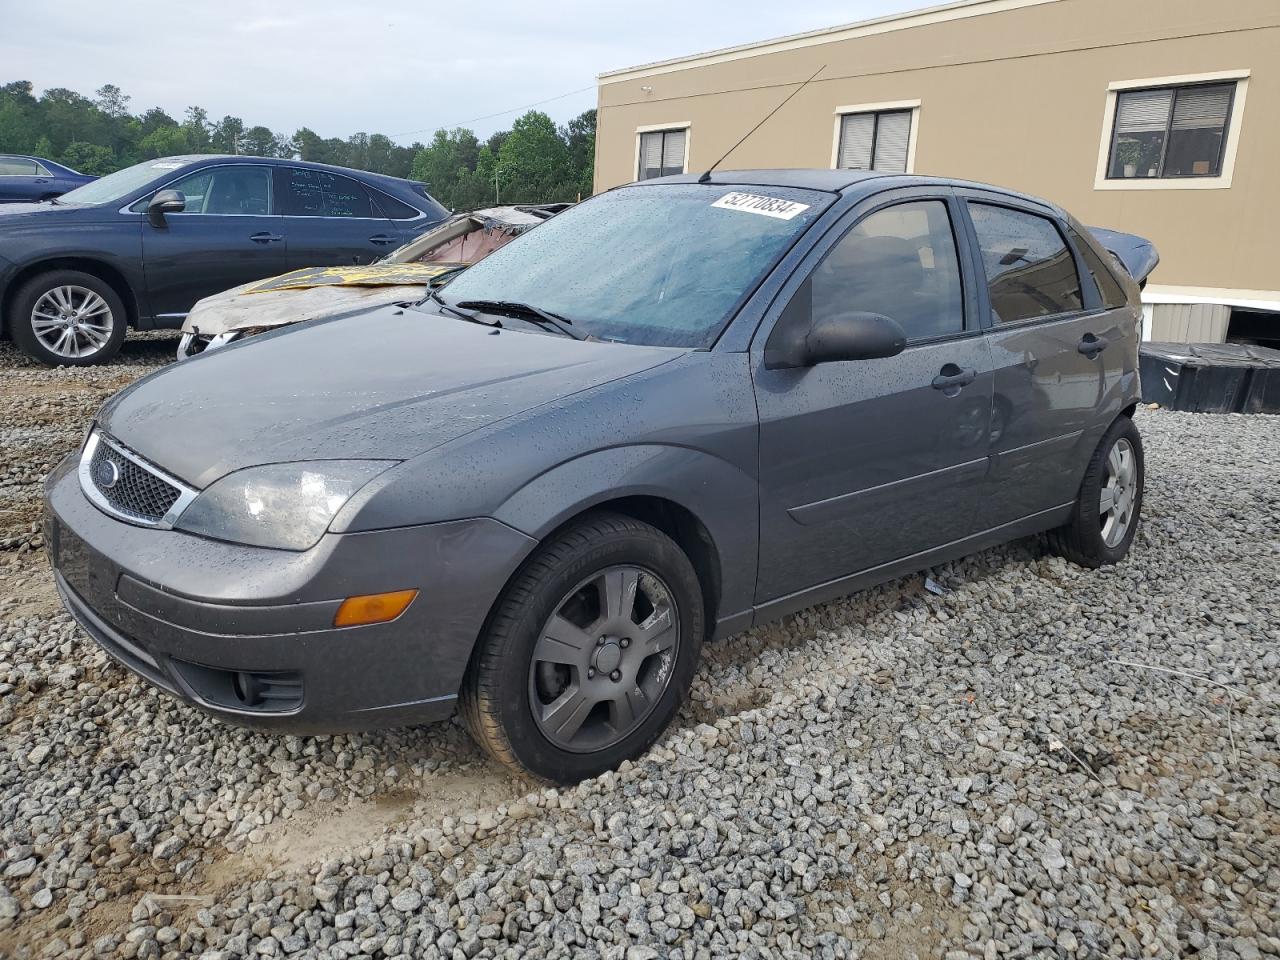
column 284, row 505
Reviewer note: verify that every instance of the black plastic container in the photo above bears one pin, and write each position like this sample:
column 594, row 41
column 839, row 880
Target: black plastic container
column 1210, row 377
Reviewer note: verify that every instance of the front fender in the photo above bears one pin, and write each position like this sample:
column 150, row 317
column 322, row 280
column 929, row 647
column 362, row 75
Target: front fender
column 719, row 494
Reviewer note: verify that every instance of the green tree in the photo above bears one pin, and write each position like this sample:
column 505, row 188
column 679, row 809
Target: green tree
column 226, row 133
column 533, row 163
column 90, row 158
column 580, row 135
column 196, row 127
column 164, row 142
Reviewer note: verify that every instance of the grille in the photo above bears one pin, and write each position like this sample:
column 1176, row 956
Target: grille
column 129, row 488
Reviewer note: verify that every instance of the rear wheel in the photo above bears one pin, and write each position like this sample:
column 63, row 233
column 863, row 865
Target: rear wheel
column 68, row 318
column 1105, row 518
column 589, row 652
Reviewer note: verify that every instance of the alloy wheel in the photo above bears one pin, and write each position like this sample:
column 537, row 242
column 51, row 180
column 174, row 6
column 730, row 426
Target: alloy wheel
column 604, row 658
column 72, row 321
column 1119, row 488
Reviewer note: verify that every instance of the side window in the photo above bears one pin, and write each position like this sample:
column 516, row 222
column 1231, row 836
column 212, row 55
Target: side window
column 18, row 167
column 900, row 262
column 1113, row 295
column 394, row 209
column 316, row 193
column 1030, row 270
column 239, row 190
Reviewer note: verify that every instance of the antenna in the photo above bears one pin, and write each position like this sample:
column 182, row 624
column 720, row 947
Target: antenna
column 706, row 177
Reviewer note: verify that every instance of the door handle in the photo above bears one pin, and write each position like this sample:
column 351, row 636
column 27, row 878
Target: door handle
column 951, row 379
column 265, row 237
column 1091, row 346
column 381, row 239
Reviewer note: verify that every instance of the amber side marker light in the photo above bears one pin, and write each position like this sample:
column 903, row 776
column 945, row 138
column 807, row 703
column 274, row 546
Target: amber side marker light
column 373, row 608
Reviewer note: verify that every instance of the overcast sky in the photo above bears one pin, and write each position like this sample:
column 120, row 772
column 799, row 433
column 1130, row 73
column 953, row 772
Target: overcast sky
column 399, row 67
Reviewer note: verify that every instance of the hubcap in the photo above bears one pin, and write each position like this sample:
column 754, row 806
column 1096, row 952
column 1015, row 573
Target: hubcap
column 72, row 321
column 1119, row 490
column 604, row 659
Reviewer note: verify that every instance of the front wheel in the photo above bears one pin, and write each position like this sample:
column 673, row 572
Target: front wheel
column 1105, row 518
column 589, row 652
column 68, row 318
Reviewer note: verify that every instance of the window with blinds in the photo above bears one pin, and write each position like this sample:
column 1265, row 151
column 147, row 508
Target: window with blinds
column 1170, row 131
column 661, row 153
column 875, row 141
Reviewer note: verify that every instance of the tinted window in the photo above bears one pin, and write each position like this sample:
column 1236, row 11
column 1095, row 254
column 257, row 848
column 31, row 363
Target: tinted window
column 394, row 209
column 1113, row 295
column 238, row 190
column 18, row 167
column 900, row 262
column 664, row 264
column 1030, row 269
column 315, row 193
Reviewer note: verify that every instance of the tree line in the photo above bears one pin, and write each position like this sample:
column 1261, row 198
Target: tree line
column 535, row 161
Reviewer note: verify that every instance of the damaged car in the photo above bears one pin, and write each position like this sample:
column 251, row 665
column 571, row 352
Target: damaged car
column 314, row 292
column 680, row 409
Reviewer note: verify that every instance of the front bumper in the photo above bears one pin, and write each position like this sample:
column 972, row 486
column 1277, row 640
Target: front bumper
column 246, row 633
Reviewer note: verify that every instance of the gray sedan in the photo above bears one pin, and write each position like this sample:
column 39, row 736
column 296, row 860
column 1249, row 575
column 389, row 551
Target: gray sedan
column 674, row 411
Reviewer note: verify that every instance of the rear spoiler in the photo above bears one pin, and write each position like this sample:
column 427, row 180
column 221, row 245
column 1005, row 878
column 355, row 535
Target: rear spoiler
column 1136, row 254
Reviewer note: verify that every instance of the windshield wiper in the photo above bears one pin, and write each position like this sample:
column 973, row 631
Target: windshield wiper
column 461, row 314
column 525, row 311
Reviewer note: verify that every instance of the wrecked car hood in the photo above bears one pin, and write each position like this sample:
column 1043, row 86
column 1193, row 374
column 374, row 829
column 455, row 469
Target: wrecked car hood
column 389, row 383
column 310, row 293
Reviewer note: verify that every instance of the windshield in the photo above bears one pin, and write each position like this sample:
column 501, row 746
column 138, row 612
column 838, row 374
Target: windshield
column 118, row 185
column 664, row 265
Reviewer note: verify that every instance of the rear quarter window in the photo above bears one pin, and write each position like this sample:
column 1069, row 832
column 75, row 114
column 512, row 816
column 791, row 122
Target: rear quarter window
column 1113, row 295
column 392, row 208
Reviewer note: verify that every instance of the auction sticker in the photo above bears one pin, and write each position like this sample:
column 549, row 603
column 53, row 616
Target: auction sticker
column 765, row 206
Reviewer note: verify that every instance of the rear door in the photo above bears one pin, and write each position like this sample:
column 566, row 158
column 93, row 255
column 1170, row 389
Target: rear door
column 1052, row 346
column 870, row 461
column 228, row 235
column 22, row 179
column 332, row 220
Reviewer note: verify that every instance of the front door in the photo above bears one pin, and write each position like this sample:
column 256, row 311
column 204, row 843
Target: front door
column 226, row 236
column 866, row 462
column 1052, row 345
column 332, row 220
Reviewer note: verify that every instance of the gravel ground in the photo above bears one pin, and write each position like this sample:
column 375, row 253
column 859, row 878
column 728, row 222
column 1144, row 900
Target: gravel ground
column 1038, row 761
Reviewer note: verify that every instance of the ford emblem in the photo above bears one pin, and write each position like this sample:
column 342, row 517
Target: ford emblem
column 107, row 473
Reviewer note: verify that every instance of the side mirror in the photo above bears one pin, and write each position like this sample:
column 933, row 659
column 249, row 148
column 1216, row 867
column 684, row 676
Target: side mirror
column 854, row 336
column 165, row 201
column 846, row 336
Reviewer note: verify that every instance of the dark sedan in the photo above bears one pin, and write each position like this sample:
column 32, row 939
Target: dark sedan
column 24, row 179
column 139, row 247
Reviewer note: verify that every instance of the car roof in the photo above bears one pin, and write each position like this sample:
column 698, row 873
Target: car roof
column 864, row 182
column 284, row 161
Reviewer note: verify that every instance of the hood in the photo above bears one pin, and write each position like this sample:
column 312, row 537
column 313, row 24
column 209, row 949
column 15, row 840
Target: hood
column 385, row 384
column 308, row 294
column 46, row 212
column 1137, row 254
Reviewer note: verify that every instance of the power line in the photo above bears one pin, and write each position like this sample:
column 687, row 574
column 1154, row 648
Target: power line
column 490, row 116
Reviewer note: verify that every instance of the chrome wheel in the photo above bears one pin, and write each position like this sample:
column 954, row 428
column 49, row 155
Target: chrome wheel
column 604, row 659
column 72, row 321
column 1119, row 488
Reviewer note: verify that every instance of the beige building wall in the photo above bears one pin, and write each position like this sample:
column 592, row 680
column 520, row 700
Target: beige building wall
column 1012, row 92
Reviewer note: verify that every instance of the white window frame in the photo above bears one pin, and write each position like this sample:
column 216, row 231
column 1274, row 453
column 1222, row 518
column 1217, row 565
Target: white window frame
column 685, row 125
column 886, row 107
column 1220, row 182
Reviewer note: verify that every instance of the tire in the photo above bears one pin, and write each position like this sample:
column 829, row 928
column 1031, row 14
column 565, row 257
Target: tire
column 517, row 667
column 1086, row 539
column 87, row 300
